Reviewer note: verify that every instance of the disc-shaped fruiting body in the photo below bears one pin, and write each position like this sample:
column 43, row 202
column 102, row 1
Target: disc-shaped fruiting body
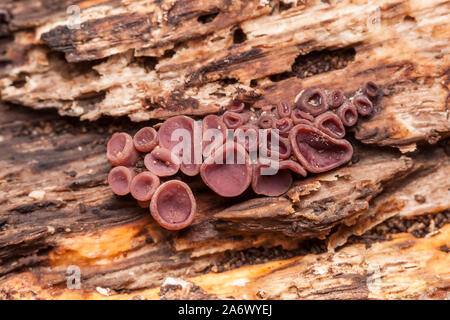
column 227, row 171
column 363, row 105
column 235, row 106
column 120, row 150
column 144, row 185
column 284, row 109
column 169, row 137
column 119, row 180
column 313, row 100
column 299, row 116
column 173, row 205
column 348, row 114
column 162, row 162
column 272, row 145
column 331, row 124
column 335, row 98
column 146, row 139
column 214, row 133
column 273, row 182
column 316, row 151
column 234, row 120
column 371, row 89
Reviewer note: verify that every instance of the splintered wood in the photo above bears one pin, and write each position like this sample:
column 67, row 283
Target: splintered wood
column 147, row 61
column 150, row 60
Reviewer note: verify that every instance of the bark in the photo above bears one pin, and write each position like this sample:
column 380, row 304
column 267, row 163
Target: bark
column 403, row 268
column 151, row 60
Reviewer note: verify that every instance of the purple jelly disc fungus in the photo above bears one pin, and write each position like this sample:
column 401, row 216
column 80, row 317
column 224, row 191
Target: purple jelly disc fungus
column 335, row 98
column 270, row 185
column 235, row 106
column 294, row 166
column 227, row 172
column 144, row 185
column 120, row 150
column 299, row 116
column 331, row 124
column 348, row 114
column 247, row 136
column 168, row 128
column 313, row 100
column 173, row 205
column 371, row 89
column 284, row 125
column 284, row 109
column 234, row 120
column 363, row 105
column 146, row 139
column 213, row 122
column 190, row 169
column 169, row 138
column 317, row 151
column 265, row 121
column 268, row 149
column 119, row 180
column 162, row 162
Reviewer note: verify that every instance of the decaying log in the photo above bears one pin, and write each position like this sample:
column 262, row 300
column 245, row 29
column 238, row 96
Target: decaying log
column 57, row 209
column 152, row 60
column 403, row 268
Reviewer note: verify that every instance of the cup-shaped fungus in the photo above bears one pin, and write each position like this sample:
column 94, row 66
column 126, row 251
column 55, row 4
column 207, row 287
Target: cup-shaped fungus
column 235, row 106
column 293, row 166
column 146, row 139
column 162, row 162
column 299, row 116
column 317, row 151
column 247, row 136
column 212, row 128
column 284, row 125
column 190, row 169
column 169, row 138
column 227, row 171
column 120, row 150
column 234, row 120
column 268, row 145
column 331, row 124
column 313, row 100
column 144, row 185
column 173, row 205
column 292, row 141
column 363, row 105
column 265, row 121
column 335, row 98
column 271, row 185
column 348, row 114
column 371, row 89
column 278, row 182
column 284, row 109
column 119, row 180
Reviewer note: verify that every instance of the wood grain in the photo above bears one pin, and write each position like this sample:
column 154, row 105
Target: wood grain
column 149, row 60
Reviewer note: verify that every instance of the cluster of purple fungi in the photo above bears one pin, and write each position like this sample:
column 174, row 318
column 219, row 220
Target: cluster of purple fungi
column 309, row 135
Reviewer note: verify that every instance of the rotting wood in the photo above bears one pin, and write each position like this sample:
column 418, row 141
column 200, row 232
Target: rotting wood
column 56, row 208
column 199, row 67
column 403, row 268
